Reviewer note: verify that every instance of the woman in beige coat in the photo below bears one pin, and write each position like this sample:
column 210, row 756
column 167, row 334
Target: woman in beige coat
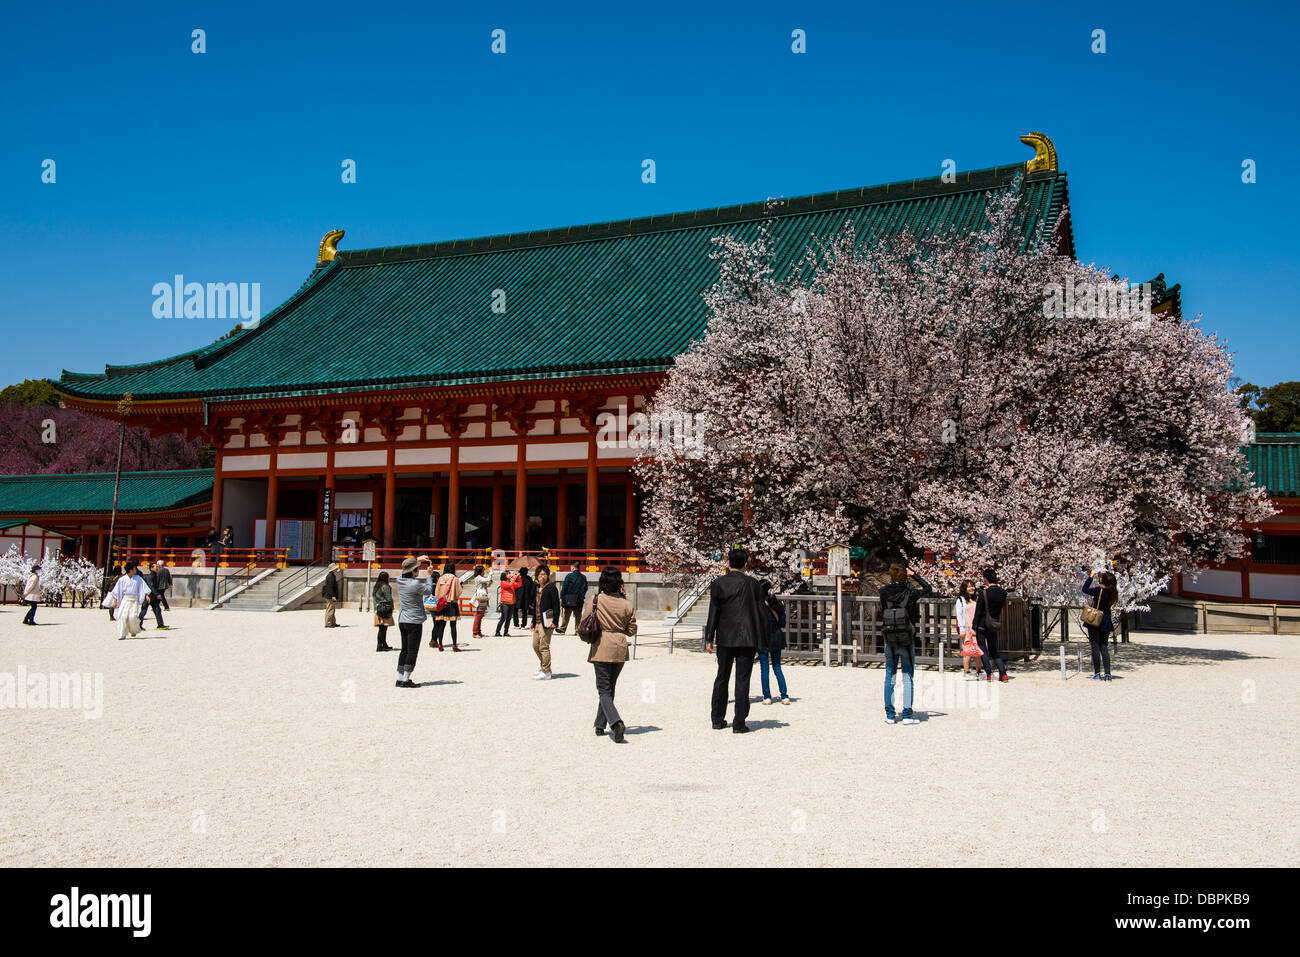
column 617, row 624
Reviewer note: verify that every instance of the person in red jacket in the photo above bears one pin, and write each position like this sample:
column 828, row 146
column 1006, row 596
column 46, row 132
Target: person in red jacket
column 506, row 601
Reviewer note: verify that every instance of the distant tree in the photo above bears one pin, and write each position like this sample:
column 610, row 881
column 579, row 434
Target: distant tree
column 46, row 440
column 29, row 392
column 1275, row 408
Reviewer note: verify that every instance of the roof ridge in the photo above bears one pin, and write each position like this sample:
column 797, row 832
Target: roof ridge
column 854, row 197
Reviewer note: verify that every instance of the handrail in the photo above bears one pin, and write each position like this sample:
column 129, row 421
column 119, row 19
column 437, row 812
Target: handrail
column 684, row 605
column 292, row 579
column 228, row 582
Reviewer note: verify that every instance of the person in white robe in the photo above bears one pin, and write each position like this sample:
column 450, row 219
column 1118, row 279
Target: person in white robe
column 127, row 596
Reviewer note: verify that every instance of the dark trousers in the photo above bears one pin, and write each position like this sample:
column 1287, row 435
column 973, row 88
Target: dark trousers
column 439, row 627
column 148, row 603
column 30, row 617
column 410, row 631
column 606, row 679
column 382, row 638
column 503, row 621
column 988, row 642
column 1099, row 641
column 743, row 658
column 521, row 614
column 162, row 600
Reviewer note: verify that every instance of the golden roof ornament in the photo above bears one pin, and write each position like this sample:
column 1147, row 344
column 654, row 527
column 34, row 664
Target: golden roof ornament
column 1044, row 153
column 329, row 247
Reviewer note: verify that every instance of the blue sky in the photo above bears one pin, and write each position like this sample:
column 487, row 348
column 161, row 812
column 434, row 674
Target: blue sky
column 225, row 166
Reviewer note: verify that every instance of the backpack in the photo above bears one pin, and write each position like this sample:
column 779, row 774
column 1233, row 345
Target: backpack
column 895, row 623
column 589, row 627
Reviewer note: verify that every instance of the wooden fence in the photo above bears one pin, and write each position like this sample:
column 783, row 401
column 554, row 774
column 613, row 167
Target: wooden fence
column 810, row 625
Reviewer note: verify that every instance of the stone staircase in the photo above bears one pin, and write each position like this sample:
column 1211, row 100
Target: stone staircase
column 698, row 615
column 257, row 597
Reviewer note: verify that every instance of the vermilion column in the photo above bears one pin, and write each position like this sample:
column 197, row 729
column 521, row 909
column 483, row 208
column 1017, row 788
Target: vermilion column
column 629, row 508
column 453, row 497
column 272, row 494
column 561, row 511
column 593, row 487
column 521, row 496
column 216, row 494
column 498, row 511
column 390, row 496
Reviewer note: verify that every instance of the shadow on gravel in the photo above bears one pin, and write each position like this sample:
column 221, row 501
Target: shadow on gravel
column 765, row 724
column 1131, row 655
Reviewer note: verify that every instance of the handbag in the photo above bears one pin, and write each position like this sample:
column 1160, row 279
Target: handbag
column 970, row 648
column 589, row 627
column 1093, row 615
column 991, row 623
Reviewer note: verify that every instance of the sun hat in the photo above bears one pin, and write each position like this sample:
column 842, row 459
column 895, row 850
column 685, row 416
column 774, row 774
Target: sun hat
column 409, row 565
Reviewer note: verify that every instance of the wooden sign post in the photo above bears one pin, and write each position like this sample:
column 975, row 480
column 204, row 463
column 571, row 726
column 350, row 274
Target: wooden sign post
column 837, row 564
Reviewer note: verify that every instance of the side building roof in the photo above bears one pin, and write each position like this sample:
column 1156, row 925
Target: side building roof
column 606, row 299
column 1274, row 458
column 93, row 492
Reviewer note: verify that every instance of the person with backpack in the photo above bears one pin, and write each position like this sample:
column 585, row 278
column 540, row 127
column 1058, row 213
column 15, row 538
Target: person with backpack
column 446, row 606
column 607, row 624
column 381, row 597
column 546, row 609
column 482, row 583
column 774, row 647
column 329, row 590
column 411, row 593
column 988, row 622
column 739, row 626
column 572, row 594
column 900, row 615
column 1097, row 621
column 506, row 591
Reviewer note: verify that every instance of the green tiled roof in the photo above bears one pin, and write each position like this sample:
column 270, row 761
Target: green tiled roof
column 1274, row 458
column 139, row 492
column 603, row 299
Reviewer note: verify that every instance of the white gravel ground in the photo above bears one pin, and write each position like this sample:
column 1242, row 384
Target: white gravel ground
column 253, row 739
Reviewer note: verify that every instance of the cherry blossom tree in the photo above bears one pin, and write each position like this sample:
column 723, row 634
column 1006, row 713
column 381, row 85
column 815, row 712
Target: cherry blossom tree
column 933, row 394
column 44, row 440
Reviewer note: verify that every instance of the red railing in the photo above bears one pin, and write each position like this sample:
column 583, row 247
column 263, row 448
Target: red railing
column 627, row 560
column 230, row 558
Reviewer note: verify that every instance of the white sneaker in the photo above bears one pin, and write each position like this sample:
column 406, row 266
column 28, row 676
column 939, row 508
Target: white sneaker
column 970, row 677
column 890, row 721
column 537, row 674
column 543, row 676
column 910, row 721
column 767, row 701
column 785, row 700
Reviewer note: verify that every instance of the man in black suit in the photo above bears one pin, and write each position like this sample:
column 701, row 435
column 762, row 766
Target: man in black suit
column 738, row 626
